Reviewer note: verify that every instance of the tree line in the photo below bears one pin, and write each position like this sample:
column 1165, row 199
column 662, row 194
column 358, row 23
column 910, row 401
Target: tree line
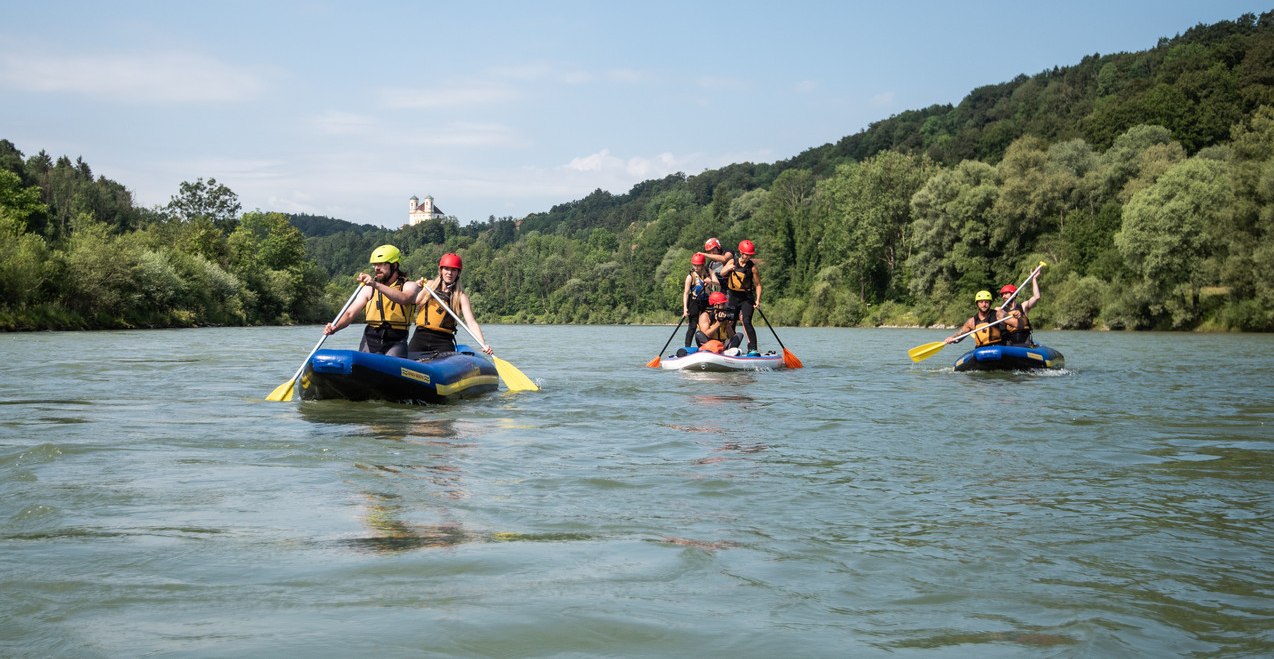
column 1145, row 180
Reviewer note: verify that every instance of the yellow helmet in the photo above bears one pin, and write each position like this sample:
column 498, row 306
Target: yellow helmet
column 982, row 295
column 385, row 254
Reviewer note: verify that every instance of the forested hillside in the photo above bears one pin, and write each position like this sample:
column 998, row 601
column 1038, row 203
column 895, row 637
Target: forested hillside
column 1145, row 180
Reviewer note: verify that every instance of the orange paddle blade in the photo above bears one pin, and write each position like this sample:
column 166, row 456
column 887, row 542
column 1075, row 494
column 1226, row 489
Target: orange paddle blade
column 790, row 360
column 654, row 363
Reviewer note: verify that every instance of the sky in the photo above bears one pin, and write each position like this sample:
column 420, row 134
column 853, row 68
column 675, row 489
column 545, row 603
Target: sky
column 506, row 108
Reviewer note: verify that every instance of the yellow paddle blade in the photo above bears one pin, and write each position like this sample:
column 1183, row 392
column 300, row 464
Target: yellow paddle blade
column 513, row 378
column 282, row 392
column 921, row 353
column 790, row 360
column 654, row 363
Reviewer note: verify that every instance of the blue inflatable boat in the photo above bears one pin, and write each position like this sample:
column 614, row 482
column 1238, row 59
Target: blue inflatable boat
column 1010, row 358
column 439, row 378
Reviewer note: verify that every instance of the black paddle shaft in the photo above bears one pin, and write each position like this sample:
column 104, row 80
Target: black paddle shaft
column 674, row 333
column 767, row 324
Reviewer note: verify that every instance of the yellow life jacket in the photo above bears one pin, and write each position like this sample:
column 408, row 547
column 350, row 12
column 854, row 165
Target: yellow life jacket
column 432, row 315
column 383, row 312
column 984, row 334
column 740, row 278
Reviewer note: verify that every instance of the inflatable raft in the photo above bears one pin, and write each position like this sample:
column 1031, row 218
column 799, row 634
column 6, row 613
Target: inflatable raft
column 703, row 360
column 354, row 375
column 1010, row 358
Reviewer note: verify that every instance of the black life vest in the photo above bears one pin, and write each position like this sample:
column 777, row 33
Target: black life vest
column 1023, row 332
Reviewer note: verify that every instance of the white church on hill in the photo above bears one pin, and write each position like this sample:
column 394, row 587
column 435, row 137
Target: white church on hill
column 418, row 211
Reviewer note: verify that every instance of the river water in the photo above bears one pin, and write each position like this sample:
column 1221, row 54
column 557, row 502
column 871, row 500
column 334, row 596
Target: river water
column 154, row 504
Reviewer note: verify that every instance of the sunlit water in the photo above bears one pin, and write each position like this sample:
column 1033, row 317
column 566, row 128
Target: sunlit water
column 151, row 502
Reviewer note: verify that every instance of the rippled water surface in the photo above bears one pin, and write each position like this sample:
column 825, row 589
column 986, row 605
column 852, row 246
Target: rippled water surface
column 153, row 502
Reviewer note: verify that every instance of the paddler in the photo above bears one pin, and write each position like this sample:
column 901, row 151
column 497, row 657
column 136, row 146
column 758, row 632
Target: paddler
column 986, row 334
column 386, row 302
column 742, row 280
column 700, row 283
column 716, row 258
column 435, row 327
column 1022, row 335
column 716, row 325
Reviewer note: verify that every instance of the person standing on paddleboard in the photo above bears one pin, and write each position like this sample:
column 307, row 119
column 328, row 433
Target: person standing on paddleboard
column 742, row 280
column 700, row 283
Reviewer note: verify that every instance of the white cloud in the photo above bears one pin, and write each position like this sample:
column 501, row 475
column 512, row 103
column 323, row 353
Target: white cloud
column 805, row 86
column 160, row 76
column 596, row 162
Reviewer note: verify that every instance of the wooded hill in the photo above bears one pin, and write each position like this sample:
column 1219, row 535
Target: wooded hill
column 1145, row 180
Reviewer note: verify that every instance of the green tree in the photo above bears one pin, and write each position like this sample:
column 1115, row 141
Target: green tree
column 24, row 266
column 950, row 231
column 1166, row 235
column 208, row 200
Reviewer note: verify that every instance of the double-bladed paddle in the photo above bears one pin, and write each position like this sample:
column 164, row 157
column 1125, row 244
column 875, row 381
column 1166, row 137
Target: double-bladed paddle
column 921, row 353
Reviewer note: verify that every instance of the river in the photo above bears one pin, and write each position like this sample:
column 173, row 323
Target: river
column 153, row 503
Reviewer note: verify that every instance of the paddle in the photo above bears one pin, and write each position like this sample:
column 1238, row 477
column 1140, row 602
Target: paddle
column 789, row 360
column 921, row 353
column 513, row 378
column 654, row 363
column 1028, row 279
column 283, row 392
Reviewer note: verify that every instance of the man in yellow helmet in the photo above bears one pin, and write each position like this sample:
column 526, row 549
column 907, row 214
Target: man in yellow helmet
column 986, row 334
column 386, row 303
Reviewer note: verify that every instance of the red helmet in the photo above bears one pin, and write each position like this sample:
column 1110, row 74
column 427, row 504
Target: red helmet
column 450, row 260
column 711, row 244
column 716, row 298
column 746, row 247
column 697, row 258
column 1008, row 288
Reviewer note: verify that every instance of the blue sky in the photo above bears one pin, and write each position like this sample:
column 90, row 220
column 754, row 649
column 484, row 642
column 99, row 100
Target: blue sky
column 505, row 108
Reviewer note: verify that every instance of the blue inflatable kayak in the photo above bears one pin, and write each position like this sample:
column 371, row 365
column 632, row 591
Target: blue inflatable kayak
column 354, row 375
column 1010, row 358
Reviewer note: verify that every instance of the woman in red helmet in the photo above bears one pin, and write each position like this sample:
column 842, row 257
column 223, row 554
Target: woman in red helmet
column 435, row 328
column 1022, row 335
column 716, row 323
column 385, row 302
column 700, row 283
column 715, row 257
column 743, row 285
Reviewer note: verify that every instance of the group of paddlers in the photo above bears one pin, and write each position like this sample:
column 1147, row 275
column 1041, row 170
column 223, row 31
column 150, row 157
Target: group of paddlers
column 721, row 292
column 391, row 302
